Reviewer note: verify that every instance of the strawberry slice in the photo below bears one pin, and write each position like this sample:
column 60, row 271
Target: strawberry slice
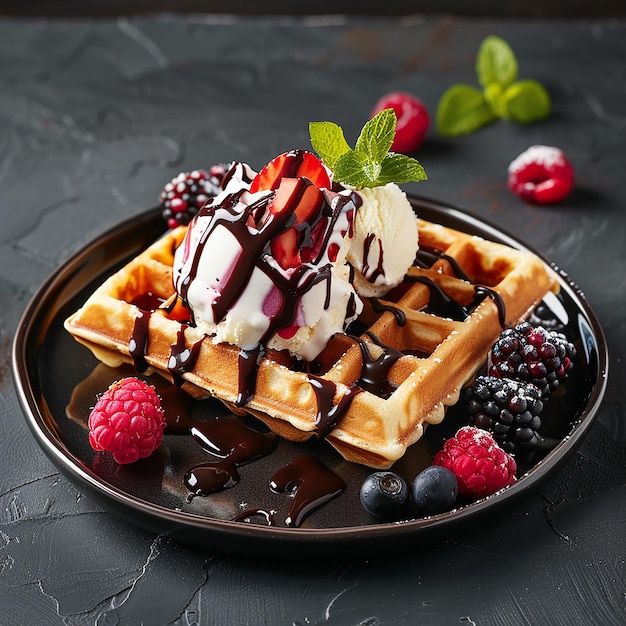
column 285, row 249
column 299, row 203
column 292, row 164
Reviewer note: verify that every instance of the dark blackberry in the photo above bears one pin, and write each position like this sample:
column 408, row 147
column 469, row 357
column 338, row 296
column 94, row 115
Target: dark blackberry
column 188, row 192
column 543, row 316
column 509, row 409
column 532, row 354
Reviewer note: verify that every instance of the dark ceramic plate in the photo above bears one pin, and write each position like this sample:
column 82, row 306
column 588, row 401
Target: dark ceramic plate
column 58, row 379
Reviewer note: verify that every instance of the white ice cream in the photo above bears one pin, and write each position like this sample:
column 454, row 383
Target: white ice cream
column 216, row 256
column 385, row 240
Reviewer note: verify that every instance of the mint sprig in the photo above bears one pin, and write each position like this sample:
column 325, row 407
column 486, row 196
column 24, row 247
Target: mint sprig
column 464, row 109
column 370, row 163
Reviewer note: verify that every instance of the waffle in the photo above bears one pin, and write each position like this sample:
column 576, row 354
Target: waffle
column 429, row 355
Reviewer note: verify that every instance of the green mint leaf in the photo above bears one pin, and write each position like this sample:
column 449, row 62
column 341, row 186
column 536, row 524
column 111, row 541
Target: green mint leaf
column 399, row 168
column 377, row 135
column 495, row 62
column 371, row 169
column 370, row 163
column 462, row 110
column 350, row 169
column 526, row 101
column 494, row 97
column 328, row 141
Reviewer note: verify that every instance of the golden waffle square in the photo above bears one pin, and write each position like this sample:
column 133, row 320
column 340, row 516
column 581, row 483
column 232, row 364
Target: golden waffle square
column 372, row 395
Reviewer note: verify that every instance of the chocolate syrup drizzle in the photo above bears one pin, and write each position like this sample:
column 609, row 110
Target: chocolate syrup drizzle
column 482, row 292
column 246, row 516
column 427, row 257
column 235, row 444
column 380, row 270
column 249, row 361
column 312, row 484
column 380, row 307
column 440, row 303
column 374, row 372
column 329, row 414
column 138, row 344
column 183, row 359
column 308, row 479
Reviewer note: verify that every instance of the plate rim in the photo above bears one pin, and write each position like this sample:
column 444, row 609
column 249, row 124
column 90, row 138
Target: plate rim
column 158, row 518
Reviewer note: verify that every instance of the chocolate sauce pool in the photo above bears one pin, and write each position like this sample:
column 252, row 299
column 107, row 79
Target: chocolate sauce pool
column 235, row 444
column 311, row 483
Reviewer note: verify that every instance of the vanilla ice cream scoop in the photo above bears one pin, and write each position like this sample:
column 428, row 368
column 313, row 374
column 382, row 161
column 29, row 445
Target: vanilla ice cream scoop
column 384, row 240
column 269, row 267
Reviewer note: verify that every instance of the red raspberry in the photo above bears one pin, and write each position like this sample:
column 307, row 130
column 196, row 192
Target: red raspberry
column 413, row 120
column 127, row 421
column 542, row 175
column 481, row 467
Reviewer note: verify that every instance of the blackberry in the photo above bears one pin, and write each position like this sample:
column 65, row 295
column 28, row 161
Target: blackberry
column 532, row 354
column 188, row 192
column 509, row 409
column 543, row 316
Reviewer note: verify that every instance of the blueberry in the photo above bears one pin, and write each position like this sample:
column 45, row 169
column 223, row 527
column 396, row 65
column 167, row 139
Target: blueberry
column 434, row 490
column 384, row 494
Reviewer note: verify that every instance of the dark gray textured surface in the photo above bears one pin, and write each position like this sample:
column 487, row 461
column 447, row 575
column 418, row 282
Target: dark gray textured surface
column 95, row 116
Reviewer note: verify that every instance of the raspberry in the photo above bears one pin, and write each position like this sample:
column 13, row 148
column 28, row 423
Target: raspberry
column 541, row 174
column 532, row 354
column 127, row 421
column 481, row 467
column 187, row 193
column 413, row 120
column 508, row 409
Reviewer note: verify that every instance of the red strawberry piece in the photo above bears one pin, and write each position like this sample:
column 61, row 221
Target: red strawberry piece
column 285, row 249
column 292, row 164
column 413, row 120
column 481, row 467
column 127, row 421
column 299, row 202
column 541, row 174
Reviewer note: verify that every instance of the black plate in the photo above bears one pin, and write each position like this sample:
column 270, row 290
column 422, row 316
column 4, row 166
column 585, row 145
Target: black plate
column 57, row 380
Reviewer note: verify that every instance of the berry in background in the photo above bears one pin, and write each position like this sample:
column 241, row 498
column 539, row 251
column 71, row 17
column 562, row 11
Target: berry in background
column 542, row 175
column 188, row 192
column 413, row 120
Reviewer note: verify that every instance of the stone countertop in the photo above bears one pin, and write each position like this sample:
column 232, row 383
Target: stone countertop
column 96, row 115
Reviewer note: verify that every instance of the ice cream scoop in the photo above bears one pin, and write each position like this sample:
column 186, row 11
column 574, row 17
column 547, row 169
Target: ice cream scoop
column 268, row 267
column 384, row 241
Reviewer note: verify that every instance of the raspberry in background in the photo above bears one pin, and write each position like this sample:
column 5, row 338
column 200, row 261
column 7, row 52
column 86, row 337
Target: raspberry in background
column 541, row 174
column 481, row 467
column 127, row 421
column 413, row 120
